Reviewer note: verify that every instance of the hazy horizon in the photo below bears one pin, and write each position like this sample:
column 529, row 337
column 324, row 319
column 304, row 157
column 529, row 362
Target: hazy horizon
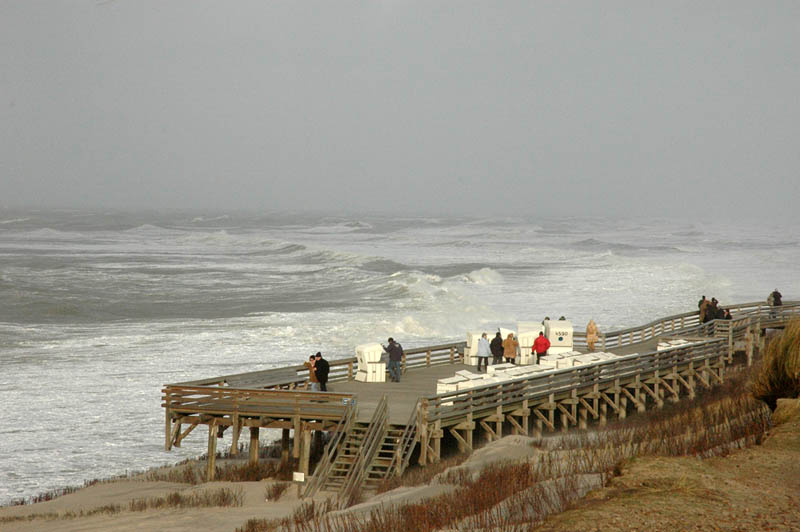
column 477, row 109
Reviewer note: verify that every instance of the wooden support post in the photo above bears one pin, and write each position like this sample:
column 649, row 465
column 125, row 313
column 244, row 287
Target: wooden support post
column 622, row 404
column 185, row 433
column 285, row 442
column 525, row 416
column 603, row 414
column 574, row 407
column 659, row 398
column 237, row 428
column 437, row 440
column 176, row 432
column 297, row 430
column 167, row 426
column 305, row 449
column 689, row 381
column 428, row 357
column 253, row 450
column 469, row 429
column 350, row 370
column 212, row 451
column 583, row 415
column 499, row 421
column 452, row 355
column 641, row 398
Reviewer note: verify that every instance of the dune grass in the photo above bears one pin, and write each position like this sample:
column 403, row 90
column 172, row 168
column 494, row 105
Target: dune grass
column 274, row 491
column 222, row 497
column 779, row 375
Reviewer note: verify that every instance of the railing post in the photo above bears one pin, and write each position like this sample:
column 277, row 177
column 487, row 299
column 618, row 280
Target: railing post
column 428, row 357
column 452, row 354
column 350, row 370
column 603, row 338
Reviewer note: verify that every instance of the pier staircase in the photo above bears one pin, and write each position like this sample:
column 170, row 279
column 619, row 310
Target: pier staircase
column 362, row 457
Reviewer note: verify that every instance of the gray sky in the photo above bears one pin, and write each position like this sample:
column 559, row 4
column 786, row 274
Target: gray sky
column 479, row 108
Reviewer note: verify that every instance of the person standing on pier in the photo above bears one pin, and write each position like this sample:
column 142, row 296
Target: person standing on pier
column 313, row 383
column 591, row 336
column 510, row 346
column 540, row 346
column 497, row 349
column 322, row 368
column 484, row 350
column 774, row 300
column 395, row 351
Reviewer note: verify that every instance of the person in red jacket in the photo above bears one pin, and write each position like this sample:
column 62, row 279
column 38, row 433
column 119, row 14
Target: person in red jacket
column 540, row 346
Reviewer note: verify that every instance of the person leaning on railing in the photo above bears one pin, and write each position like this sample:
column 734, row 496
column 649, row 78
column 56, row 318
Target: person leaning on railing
column 321, row 368
column 395, row 351
column 313, row 382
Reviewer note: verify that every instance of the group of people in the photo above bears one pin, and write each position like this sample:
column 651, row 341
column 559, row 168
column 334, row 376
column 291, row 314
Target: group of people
column 775, row 299
column 710, row 310
column 318, row 369
column 499, row 349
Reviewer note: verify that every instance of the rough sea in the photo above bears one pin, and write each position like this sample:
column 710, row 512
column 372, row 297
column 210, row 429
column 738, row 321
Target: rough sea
column 100, row 309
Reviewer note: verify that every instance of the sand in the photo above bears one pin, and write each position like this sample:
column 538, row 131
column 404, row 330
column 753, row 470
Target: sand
column 753, row 489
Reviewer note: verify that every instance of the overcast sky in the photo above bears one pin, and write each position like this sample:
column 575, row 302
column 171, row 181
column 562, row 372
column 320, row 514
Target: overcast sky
column 480, row 108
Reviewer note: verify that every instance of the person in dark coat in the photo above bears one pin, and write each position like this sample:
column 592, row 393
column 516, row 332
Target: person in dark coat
column 322, row 368
column 395, row 351
column 497, row 348
column 776, row 298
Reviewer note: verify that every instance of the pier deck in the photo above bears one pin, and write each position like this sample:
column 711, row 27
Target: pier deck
column 377, row 427
column 420, row 382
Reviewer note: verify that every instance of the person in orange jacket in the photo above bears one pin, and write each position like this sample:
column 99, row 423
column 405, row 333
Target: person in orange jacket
column 510, row 345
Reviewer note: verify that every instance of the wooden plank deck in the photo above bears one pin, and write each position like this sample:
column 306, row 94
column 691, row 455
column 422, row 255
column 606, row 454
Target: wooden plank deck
column 419, row 382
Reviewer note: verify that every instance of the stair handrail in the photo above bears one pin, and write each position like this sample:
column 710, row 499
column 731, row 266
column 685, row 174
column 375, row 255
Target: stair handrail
column 402, row 455
column 326, row 462
column 373, row 439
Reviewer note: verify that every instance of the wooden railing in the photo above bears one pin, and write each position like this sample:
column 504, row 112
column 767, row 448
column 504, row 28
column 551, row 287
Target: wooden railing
column 325, row 464
column 293, row 377
column 485, row 399
column 373, row 439
column 405, row 446
column 679, row 323
column 221, row 400
column 344, row 369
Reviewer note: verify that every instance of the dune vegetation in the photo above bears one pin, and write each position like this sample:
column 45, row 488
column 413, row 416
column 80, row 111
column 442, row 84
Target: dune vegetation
column 779, row 375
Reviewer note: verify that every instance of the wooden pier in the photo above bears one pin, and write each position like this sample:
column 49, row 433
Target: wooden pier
column 376, row 428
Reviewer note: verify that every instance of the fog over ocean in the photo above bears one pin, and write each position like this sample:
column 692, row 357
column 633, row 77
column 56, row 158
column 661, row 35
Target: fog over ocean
column 99, row 310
